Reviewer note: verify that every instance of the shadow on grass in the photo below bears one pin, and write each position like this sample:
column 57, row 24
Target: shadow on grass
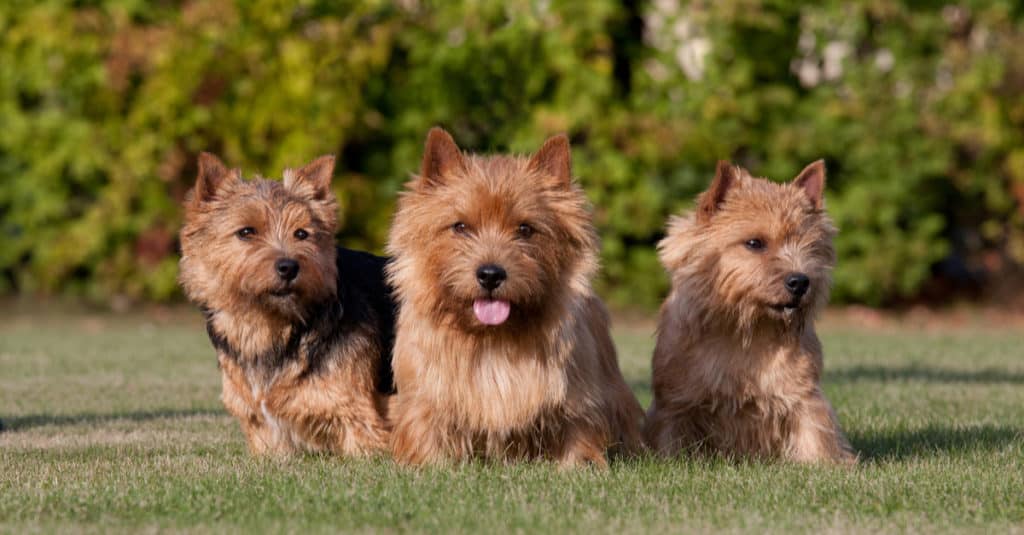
column 19, row 423
column 920, row 373
column 906, row 443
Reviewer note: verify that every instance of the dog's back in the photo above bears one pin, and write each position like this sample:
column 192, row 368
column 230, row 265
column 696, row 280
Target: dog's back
column 366, row 296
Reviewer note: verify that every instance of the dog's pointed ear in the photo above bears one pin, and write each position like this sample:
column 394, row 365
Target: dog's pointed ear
column 554, row 158
column 441, row 156
column 812, row 181
column 726, row 176
column 213, row 175
column 313, row 179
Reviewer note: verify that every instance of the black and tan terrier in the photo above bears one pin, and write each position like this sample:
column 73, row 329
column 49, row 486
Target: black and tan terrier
column 303, row 329
column 737, row 365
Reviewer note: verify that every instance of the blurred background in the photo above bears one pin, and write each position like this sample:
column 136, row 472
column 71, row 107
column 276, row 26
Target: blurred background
column 916, row 107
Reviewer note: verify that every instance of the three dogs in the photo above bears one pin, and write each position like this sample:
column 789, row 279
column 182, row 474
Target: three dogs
column 502, row 349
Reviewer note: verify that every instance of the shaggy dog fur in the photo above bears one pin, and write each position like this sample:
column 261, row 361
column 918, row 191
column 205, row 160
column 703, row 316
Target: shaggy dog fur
column 737, row 365
column 503, row 350
column 302, row 329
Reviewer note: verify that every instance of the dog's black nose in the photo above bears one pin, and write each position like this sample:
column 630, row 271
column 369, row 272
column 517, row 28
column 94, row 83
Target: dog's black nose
column 287, row 268
column 797, row 284
column 490, row 276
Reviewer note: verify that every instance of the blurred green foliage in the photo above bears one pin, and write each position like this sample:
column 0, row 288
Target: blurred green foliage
column 916, row 107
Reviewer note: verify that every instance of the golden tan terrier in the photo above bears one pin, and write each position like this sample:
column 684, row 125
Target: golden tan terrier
column 302, row 329
column 503, row 350
column 737, row 365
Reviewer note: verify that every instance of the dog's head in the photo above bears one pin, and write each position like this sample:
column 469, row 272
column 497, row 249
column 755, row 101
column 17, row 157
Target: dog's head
column 488, row 242
column 260, row 243
column 755, row 249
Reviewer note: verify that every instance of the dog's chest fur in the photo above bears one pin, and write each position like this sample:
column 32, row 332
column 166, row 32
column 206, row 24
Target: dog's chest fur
column 491, row 387
column 273, row 367
column 763, row 380
column 263, row 361
column 744, row 398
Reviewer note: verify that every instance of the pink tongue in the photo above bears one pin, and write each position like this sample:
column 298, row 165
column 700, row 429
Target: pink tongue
column 491, row 311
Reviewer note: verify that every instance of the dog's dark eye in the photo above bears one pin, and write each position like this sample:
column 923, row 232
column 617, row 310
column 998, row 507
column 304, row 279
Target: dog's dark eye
column 460, row 228
column 245, row 233
column 301, row 234
column 755, row 244
column 524, row 231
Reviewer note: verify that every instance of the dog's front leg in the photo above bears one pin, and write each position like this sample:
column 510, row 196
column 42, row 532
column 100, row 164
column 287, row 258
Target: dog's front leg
column 815, row 435
column 583, row 445
column 422, row 434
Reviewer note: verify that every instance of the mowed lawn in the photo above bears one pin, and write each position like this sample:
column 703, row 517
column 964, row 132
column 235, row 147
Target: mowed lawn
column 113, row 423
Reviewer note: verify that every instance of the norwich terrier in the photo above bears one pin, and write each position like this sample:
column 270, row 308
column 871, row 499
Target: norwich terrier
column 303, row 330
column 503, row 350
column 737, row 366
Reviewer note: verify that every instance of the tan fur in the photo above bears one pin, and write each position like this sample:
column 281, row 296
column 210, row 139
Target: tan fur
column 545, row 384
column 285, row 401
column 733, row 372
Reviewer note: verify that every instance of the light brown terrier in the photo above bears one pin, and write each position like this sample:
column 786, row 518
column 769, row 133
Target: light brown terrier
column 737, row 365
column 302, row 329
column 503, row 350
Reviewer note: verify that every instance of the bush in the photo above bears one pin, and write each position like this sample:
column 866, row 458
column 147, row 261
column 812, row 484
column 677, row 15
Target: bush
column 104, row 106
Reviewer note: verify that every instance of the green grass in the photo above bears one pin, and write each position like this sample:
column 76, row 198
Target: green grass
column 113, row 424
